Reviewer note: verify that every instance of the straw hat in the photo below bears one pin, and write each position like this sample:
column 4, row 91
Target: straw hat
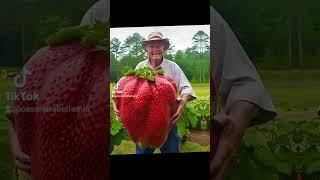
column 156, row 36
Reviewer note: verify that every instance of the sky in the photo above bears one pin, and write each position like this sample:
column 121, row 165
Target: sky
column 179, row 36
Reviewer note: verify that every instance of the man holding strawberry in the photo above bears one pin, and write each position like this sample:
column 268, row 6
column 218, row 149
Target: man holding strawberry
column 238, row 88
column 156, row 46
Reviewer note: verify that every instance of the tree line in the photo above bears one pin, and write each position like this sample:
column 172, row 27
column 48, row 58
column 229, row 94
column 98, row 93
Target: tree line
column 194, row 60
column 276, row 34
column 26, row 25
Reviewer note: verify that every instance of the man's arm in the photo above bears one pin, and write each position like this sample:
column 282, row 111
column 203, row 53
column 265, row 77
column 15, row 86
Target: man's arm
column 183, row 99
column 186, row 93
column 22, row 160
column 184, row 86
column 245, row 111
column 234, row 73
column 232, row 126
column 241, row 92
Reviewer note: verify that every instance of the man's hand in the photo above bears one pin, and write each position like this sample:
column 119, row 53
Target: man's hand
column 178, row 114
column 233, row 127
column 22, row 160
column 116, row 111
column 182, row 103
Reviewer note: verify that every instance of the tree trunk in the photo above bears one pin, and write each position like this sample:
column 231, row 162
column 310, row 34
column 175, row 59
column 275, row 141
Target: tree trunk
column 204, row 78
column 200, row 75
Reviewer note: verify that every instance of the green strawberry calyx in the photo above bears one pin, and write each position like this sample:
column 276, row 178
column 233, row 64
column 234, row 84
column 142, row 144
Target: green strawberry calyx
column 145, row 72
column 94, row 35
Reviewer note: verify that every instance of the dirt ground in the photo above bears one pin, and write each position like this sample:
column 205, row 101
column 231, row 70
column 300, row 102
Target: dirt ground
column 201, row 137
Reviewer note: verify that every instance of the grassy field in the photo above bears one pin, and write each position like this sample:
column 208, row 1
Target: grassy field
column 202, row 89
column 128, row 147
column 295, row 94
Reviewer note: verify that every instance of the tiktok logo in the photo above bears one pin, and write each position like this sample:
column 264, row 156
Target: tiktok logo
column 21, row 79
column 116, row 86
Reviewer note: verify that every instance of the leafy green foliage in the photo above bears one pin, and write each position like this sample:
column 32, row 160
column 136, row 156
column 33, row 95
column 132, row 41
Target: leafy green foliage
column 95, row 34
column 246, row 168
column 285, row 148
column 117, row 131
column 196, row 115
column 115, row 126
column 145, row 72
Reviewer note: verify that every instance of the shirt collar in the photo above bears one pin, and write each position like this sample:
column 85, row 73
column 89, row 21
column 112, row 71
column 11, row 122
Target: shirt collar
column 162, row 65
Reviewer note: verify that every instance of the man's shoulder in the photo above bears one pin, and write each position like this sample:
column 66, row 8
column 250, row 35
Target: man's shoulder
column 99, row 10
column 215, row 16
column 171, row 63
column 141, row 63
column 101, row 4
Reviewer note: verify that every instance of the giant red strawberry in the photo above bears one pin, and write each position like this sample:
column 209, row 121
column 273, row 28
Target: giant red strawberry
column 146, row 100
column 66, row 130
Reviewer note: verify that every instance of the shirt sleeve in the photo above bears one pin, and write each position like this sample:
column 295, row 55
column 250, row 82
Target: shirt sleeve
column 138, row 65
column 184, row 84
column 238, row 79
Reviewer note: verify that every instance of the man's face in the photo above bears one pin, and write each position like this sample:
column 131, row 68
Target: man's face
column 155, row 50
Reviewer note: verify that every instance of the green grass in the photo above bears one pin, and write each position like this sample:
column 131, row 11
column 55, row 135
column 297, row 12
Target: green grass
column 201, row 89
column 290, row 75
column 295, row 100
column 295, row 95
column 293, row 91
column 128, row 147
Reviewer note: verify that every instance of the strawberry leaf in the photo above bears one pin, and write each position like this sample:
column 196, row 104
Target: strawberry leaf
column 130, row 72
column 161, row 71
column 116, row 126
column 96, row 34
column 145, row 72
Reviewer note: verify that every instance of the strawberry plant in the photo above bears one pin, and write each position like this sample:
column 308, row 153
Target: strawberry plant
column 117, row 131
column 281, row 150
column 195, row 116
